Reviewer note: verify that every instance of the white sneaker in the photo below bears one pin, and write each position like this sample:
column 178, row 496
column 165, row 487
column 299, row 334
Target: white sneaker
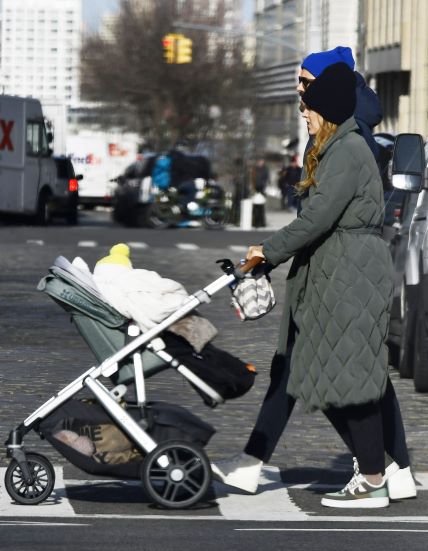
column 400, row 482
column 242, row 471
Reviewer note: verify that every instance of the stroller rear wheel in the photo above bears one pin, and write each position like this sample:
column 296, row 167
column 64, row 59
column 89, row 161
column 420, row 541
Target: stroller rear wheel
column 183, row 482
column 42, row 483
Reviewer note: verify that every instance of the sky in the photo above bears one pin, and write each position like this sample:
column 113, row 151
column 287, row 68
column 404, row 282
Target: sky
column 93, row 10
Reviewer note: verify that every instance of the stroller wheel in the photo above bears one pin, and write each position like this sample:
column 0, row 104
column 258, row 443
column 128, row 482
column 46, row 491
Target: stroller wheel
column 183, row 482
column 42, row 484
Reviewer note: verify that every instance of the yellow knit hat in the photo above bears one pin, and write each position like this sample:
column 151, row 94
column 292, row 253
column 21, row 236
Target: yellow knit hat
column 119, row 254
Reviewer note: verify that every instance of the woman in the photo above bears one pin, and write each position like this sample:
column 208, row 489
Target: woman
column 339, row 287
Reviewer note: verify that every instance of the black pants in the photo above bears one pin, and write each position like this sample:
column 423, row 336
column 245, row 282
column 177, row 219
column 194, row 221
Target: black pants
column 361, row 429
column 278, row 405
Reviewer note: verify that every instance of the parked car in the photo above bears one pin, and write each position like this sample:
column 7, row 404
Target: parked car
column 398, row 247
column 64, row 203
column 393, row 198
column 408, row 337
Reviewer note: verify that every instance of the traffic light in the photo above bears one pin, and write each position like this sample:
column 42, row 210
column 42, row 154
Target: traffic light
column 169, row 47
column 184, row 50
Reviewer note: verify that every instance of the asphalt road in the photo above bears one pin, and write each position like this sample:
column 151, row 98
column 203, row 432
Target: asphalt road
column 42, row 352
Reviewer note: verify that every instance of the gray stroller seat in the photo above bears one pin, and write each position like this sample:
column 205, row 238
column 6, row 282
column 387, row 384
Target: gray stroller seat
column 103, row 328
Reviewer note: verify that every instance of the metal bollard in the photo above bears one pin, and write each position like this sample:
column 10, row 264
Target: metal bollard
column 246, row 218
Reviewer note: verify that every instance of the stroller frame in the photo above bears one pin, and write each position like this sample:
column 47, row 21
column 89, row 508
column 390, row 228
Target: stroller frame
column 158, row 456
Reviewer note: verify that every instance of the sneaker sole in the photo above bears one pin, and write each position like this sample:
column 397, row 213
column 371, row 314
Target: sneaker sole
column 364, row 503
column 402, row 495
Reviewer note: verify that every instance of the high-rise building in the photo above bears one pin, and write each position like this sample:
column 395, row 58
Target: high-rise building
column 40, row 49
column 396, row 61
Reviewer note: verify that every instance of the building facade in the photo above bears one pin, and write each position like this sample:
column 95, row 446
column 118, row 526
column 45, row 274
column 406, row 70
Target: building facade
column 396, row 61
column 40, row 49
column 287, row 31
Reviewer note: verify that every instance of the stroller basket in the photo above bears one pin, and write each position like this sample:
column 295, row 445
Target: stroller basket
column 86, row 435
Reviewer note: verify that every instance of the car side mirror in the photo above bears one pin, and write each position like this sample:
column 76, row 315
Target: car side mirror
column 408, row 163
column 79, row 177
column 50, row 137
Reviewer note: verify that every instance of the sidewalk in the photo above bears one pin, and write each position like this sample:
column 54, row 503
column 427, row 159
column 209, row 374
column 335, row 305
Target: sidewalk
column 275, row 219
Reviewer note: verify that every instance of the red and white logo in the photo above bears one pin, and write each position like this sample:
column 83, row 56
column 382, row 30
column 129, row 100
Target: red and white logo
column 6, row 139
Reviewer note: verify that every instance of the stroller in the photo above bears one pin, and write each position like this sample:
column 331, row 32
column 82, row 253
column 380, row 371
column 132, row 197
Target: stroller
column 111, row 434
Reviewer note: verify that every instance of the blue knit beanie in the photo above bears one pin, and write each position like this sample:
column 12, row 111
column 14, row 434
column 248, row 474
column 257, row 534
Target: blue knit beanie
column 317, row 62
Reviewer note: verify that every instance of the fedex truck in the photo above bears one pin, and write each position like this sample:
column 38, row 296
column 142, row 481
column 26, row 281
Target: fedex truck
column 100, row 157
column 28, row 171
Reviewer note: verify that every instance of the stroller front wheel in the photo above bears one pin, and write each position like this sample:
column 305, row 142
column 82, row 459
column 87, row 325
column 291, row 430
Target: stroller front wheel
column 42, row 483
column 183, row 482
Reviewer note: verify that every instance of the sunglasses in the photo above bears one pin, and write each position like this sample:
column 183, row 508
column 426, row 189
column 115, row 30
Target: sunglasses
column 305, row 82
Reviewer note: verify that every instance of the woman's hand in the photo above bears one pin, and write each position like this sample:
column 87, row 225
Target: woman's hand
column 255, row 250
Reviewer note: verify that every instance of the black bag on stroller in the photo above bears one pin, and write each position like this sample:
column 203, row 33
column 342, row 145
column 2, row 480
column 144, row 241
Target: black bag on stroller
column 85, row 434
column 227, row 374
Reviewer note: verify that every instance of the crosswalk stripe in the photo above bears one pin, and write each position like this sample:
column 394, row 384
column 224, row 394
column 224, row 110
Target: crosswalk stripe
column 87, row 244
column 271, row 503
column 187, row 246
column 57, row 505
column 137, row 245
column 238, row 248
column 35, row 242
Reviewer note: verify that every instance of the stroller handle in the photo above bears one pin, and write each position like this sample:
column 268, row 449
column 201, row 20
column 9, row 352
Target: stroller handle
column 242, row 269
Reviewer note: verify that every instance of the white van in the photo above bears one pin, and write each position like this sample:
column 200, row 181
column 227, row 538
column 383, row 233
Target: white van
column 100, row 157
column 28, row 173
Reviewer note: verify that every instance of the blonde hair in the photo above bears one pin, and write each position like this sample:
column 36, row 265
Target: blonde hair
column 326, row 131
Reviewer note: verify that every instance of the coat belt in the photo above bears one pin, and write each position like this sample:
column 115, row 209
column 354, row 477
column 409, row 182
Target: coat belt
column 374, row 230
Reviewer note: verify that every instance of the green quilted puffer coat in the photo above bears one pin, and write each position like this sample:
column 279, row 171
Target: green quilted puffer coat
column 339, row 288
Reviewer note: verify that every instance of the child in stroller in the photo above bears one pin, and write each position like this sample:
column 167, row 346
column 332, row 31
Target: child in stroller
column 117, row 436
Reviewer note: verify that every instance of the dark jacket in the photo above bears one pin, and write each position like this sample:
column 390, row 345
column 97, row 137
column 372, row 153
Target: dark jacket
column 339, row 287
column 368, row 113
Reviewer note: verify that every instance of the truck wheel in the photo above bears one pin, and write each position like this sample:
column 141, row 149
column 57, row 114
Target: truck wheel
column 408, row 331
column 421, row 363
column 43, row 213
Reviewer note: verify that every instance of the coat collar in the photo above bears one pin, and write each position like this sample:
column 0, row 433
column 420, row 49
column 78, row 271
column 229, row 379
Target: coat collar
column 348, row 126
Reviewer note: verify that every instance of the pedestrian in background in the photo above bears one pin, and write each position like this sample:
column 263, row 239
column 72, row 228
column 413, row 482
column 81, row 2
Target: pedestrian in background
column 260, row 180
column 240, row 189
column 339, row 289
column 288, row 177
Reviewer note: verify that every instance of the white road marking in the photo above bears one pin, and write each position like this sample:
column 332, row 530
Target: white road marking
column 238, row 248
column 35, row 523
column 35, row 242
column 137, row 245
column 187, row 246
column 57, row 505
column 272, row 502
column 328, row 530
column 87, row 244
